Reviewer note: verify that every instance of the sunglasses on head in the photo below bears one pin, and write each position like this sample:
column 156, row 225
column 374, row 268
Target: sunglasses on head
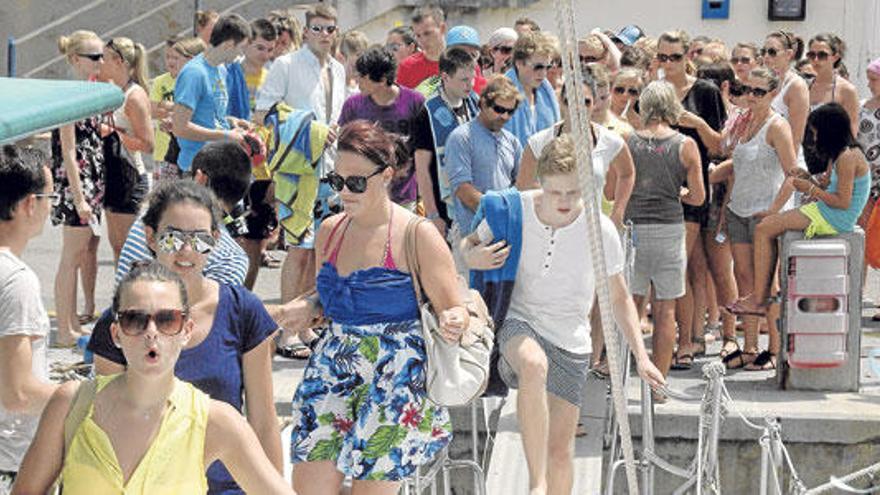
column 94, row 57
column 757, row 92
column 502, row 110
column 115, row 49
column 355, row 183
column 506, row 50
column 740, row 60
column 173, row 240
column 326, row 29
column 672, row 57
column 134, row 322
column 772, row 52
column 621, row 90
column 820, row 55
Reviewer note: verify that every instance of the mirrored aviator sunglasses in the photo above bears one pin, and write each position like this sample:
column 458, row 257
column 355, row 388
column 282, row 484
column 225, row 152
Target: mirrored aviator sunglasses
column 134, row 322
column 172, row 241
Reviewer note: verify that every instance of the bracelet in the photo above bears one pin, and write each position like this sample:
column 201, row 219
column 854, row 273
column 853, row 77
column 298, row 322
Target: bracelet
column 226, row 134
column 810, row 191
column 433, row 216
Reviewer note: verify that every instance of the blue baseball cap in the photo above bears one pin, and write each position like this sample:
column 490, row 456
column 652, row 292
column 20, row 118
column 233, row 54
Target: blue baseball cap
column 629, row 34
column 463, row 35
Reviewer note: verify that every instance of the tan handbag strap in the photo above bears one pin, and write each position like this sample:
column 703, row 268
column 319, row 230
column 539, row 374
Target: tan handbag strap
column 412, row 254
column 79, row 409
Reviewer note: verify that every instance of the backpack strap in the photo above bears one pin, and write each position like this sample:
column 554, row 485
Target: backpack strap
column 412, row 255
column 79, row 409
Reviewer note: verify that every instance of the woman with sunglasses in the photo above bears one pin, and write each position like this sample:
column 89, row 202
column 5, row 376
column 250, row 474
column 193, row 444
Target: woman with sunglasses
column 144, row 431
column 836, row 209
column 501, row 46
column 744, row 58
column 125, row 65
column 825, row 53
column 230, row 350
column 177, row 53
column 702, row 99
column 365, row 381
column 762, row 156
column 625, row 89
column 78, row 170
column 601, row 112
column 781, row 49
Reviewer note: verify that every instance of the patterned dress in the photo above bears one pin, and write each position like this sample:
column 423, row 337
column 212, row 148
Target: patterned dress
column 362, row 402
column 869, row 139
column 90, row 160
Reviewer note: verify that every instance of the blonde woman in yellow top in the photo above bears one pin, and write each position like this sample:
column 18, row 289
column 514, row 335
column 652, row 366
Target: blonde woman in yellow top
column 144, row 431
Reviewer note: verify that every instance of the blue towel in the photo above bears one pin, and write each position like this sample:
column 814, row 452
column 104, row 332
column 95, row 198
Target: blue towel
column 503, row 211
column 239, row 98
column 524, row 123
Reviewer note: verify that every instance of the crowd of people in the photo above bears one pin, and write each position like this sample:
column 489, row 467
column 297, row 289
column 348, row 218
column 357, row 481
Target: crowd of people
column 277, row 134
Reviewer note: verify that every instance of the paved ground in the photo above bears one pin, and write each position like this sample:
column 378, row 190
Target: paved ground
column 753, row 391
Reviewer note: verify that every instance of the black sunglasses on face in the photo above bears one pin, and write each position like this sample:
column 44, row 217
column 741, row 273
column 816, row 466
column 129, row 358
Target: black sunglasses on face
column 326, row 29
column 538, row 67
column 736, row 89
column 52, row 196
column 94, row 57
column 820, row 55
column 589, row 59
column 672, row 57
column 740, row 60
column 355, row 183
column 621, row 90
column 506, row 50
column 502, row 110
column 134, row 322
column 757, row 92
column 769, row 51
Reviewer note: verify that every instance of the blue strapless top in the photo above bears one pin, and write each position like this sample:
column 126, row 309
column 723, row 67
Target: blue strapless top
column 367, row 297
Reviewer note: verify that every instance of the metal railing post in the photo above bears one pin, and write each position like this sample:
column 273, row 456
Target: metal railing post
column 10, row 56
column 197, row 6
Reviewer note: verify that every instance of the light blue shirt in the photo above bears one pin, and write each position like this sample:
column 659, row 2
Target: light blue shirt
column 201, row 87
column 487, row 160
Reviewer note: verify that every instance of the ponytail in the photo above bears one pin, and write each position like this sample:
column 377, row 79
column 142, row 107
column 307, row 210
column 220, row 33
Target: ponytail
column 790, row 41
column 139, row 66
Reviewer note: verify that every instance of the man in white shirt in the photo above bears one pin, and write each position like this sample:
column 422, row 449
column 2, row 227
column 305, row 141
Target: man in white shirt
column 545, row 337
column 307, row 79
column 25, row 200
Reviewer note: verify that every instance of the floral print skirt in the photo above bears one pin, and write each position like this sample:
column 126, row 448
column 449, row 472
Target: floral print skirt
column 362, row 403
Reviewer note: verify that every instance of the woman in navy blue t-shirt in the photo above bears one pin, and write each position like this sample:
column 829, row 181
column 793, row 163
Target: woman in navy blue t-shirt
column 230, row 349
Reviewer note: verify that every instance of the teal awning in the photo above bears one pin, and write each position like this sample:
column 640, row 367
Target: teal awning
column 29, row 106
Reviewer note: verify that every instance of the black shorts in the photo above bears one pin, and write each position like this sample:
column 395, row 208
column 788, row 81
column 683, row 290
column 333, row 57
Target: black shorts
column 697, row 214
column 261, row 216
column 124, row 197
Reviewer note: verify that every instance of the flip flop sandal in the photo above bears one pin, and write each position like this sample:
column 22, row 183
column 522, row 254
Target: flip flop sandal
column 726, row 350
column 85, row 319
column 765, row 361
column 581, row 430
column 600, row 370
column 683, row 362
column 737, row 359
column 296, row 351
column 738, row 309
column 269, row 261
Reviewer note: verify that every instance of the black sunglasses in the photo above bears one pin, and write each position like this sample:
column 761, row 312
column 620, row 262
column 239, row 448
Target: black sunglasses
column 589, row 59
column 52, row 196
column 673, row 57
column 502, row 110
column 769, row 51
column 94, row 57
column 757, row 92
column 740, row 60
column 506, row 50
column 327, row 29
column 134, row 322
column 542, row 66
column 355, row 183
column 820, row 55
column 736, row 89
column 621, row 90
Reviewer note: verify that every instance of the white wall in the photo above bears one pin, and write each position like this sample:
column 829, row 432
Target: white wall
column 854, row 20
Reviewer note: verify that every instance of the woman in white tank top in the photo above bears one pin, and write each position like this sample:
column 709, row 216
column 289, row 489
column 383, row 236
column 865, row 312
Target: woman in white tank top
column 792, row 102
column 125, row 66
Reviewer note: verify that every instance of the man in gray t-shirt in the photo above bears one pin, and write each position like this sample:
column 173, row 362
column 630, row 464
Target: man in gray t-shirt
column 25, row 199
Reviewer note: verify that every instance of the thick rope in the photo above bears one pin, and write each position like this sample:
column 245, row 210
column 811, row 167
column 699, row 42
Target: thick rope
column 583, row 148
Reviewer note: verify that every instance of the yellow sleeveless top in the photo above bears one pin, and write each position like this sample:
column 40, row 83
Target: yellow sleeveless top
column 173, row 464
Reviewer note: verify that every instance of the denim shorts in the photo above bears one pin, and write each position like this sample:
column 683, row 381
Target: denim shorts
column 741, row 230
